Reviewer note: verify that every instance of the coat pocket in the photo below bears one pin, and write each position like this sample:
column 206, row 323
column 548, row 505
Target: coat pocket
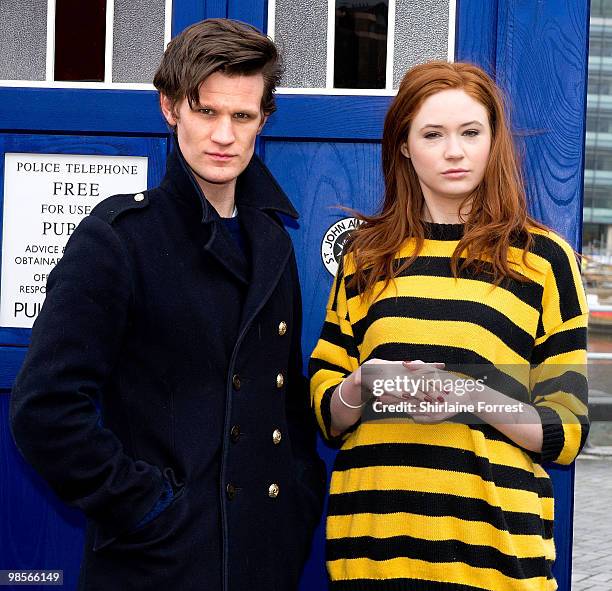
column 150, row 532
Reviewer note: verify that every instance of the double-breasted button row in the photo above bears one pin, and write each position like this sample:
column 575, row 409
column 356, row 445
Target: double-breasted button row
column 231, row 489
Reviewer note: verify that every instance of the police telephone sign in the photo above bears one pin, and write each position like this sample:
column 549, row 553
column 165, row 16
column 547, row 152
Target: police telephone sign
column 45, row 197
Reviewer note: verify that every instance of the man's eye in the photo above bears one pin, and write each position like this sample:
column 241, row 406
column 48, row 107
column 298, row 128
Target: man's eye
column 205, row 111
column 242, row 116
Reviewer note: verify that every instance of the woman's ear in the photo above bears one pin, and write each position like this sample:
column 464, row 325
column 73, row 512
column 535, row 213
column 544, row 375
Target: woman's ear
column 404, row 150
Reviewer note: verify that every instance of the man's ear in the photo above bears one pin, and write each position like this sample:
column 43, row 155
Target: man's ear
column 167, row 106
column 263, row 122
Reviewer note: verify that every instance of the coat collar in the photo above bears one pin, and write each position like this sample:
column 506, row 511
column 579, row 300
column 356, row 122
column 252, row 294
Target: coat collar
column 255, row 187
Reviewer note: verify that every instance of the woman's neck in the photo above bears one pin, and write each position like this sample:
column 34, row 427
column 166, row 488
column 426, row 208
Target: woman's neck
column 442, row 213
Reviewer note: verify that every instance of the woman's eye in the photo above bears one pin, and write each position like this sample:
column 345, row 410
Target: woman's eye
column 471, row 132
column 431, row 135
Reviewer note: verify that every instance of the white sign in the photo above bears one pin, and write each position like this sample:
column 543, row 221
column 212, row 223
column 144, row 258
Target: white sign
column 45, row 197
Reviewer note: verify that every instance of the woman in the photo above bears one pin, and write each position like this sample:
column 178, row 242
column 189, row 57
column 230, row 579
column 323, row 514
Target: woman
column 452, row 271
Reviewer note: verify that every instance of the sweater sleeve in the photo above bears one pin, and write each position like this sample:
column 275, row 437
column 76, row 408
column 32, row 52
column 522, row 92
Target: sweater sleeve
column 334, row 357
column 559, row 388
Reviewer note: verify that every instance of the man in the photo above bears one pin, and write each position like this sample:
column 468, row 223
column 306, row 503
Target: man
column 179, row 310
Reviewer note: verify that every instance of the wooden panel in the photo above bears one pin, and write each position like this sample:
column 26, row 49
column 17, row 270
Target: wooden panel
column 154, row 148
column 83, row 111
column 476, row 33
column 542, row 64
column 253, row 12
column 11, row 359
column 37, row 531
column 328, row 117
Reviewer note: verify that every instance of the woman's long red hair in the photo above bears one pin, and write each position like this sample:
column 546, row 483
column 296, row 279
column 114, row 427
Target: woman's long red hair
column 498, row 216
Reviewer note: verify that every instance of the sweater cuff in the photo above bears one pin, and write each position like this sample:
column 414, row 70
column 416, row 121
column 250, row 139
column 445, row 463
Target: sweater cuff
column 333, row 441
column 553, row 435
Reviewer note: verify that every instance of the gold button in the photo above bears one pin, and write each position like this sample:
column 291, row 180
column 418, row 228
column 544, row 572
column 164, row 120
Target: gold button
column 282, row 328
column 280, row 380
column 273, row 491
column 230, row 490
column 236, row 381
column 276, row 436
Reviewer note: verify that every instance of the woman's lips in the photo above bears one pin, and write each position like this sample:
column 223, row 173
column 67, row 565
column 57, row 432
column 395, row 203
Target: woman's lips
column 455, row 174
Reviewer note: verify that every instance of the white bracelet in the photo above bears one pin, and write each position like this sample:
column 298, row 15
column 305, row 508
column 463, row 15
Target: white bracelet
column 345, row 402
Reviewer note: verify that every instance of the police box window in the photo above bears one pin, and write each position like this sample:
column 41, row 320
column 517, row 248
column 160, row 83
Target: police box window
column 80, row 33
column 360, row 51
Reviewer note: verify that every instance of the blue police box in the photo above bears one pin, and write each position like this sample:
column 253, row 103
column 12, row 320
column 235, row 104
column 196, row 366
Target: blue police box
column 343, row 59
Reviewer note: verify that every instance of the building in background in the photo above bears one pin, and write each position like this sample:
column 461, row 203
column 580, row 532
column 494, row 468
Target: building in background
column 597, row 228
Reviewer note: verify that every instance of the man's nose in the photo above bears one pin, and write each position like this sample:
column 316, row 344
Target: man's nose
column 223, row 131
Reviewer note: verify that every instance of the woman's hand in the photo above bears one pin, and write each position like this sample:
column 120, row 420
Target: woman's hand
column 435, row 396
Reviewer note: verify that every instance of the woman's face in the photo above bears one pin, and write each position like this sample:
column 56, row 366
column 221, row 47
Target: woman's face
column 449, row 144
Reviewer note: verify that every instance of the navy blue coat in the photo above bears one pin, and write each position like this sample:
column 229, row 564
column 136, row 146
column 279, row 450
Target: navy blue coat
column 193, row 355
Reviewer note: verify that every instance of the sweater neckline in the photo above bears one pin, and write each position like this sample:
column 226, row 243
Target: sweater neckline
column 435, row 231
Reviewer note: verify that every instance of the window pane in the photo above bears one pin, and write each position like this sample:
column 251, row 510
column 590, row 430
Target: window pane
column 23, row 39
column 360, row 51
column 421, row 34
column 138, row 39
column 80, row 30
column 300, row 31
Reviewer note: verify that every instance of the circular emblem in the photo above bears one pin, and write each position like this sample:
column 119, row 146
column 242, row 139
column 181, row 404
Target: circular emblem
column 333, row 242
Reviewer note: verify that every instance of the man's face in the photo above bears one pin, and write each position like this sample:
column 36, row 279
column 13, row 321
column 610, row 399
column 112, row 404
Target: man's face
column 217, row 136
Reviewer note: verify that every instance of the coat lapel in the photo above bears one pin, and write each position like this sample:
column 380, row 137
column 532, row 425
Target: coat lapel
column 270, row 250
column 227, row 253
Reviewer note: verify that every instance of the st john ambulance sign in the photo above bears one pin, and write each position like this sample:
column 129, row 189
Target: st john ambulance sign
column 45, row 197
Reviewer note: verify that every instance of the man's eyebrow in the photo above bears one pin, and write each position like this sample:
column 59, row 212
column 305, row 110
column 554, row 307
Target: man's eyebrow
column 434, row 126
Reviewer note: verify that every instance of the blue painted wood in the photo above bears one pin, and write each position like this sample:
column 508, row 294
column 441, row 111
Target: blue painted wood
column 187, row 12
column 118, row 111
column 542, row 64
column 476, row 33
column 11, row 359
column 37, row 531
column 254, row 12
column 83, row 111
column 328, row 117
column 154, row 148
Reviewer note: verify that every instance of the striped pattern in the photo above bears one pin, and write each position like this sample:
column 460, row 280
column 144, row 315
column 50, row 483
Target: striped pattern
column 453, row 506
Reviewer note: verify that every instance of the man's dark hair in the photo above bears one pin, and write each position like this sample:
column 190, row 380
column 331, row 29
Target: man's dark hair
column 217, row 45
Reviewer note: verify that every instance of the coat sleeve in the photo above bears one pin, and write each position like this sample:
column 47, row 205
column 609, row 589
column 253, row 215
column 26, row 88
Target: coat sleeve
column 558, row 380
column 334, row 357
column 75, row 343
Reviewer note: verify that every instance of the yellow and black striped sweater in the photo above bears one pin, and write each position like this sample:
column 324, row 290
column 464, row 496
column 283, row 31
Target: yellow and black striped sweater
column 450, row 506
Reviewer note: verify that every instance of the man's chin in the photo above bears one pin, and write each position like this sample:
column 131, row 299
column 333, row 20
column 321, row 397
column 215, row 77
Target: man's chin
column 220, row 178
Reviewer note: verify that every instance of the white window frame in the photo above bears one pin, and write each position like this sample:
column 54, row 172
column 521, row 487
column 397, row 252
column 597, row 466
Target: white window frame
column 329, row 76
column 108, row 56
